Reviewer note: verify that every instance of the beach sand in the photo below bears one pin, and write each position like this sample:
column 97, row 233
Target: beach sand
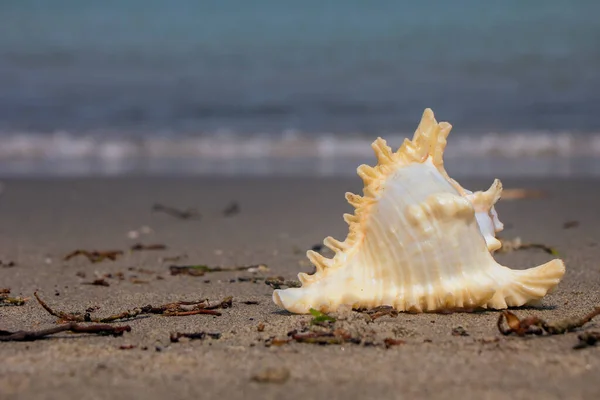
column 279, row 219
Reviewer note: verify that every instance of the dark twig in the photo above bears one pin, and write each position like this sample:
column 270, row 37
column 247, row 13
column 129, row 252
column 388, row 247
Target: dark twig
column 97, row 282
column 509, row 245
column 190, row 213
column 537, row 326
column 142, row 247
column 587, row 339
column 277, row 282
column 175, row 336
column 232, row 209
column 200, row 270
column 95, row 256
column 176, row 309
column 379, row 312
column 6, row 336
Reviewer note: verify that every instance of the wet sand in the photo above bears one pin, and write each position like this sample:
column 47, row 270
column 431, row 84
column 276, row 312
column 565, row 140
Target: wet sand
column 278, row 220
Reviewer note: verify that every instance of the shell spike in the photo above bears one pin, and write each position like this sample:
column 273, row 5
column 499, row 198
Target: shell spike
column 383, row 152
column 425, row 137
column 318, row 260
column 440, row 145
column 350, row 219
column 367, row 173
column 335, row 245
column 354, row 199
column 484, row 201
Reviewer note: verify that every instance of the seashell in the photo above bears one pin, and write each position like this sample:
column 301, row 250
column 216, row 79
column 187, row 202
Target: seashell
column 418, row 241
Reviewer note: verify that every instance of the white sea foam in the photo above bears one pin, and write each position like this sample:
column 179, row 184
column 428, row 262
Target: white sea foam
column 63, row 153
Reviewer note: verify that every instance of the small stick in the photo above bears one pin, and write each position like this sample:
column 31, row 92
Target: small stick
column 177, row 309
column 95, row 256
column 537, row 326
column 141, row 247
column 20, row 336
column 190, row 213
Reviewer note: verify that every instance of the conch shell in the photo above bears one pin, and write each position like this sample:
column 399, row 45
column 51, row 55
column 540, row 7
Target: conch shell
column 418, row 241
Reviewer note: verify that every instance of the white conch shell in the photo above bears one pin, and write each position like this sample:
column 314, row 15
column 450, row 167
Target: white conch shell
column 418, row 241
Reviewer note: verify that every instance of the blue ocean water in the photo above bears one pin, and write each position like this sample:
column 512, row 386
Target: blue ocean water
column 165, row 73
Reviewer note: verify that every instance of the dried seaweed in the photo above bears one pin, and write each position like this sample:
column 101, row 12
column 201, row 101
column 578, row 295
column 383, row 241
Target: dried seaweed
column 175, row 336
column 201, row 269
column 459, row 331
column 176, row 309
column 143, row 247
column 190, row 213
column 95, row 256
column 587, row 339
column 389, row 342
column 319, row 317
column 509, row 245
column 337, row 336
column 378, row 312
column 518, row 194
column 570, row 224
column 8, row 264
column 536, row 326
column 7, row 336
column 97, row 282
column 232, row 209
column 277, row 282
column 272, row 375
column 6, row 300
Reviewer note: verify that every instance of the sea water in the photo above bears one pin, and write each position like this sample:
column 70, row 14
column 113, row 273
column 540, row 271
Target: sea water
column 278, row 86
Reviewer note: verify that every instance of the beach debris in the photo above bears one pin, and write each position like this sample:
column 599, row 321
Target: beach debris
column 587, row 339
column 317, row 247
column 7, row 264
column 336, row 336
column 173, row 258
column 277, row 282
column 137, row 281
column 520, row 193
column 570, row 224
column 97, row 282
column 272, row 375
column 127, row 346
column 534, row 325
column 190, row 213
column 389, row 342
column 459, row 331
column 260, row 327
column 319, row 317
column 509, row 245
column 418, row 241
column 378, row 312
column 201, row 270
column 143, row 247
column 175, row 309
column 250, row 302
column 232, row 209
column 136, row 233
column 95, row 256
column 7, row 300
column 23, row 336
column 175, row 336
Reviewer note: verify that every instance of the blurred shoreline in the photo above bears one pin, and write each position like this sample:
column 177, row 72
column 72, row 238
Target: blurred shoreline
column 527, row 154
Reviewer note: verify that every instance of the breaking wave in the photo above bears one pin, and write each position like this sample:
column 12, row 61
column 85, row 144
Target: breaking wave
column 61, row 153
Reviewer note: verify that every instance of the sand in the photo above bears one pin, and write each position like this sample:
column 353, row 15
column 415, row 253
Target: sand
column 279, row 219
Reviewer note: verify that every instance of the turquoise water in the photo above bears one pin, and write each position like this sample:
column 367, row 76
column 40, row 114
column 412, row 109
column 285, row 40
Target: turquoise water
column 150, row 69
